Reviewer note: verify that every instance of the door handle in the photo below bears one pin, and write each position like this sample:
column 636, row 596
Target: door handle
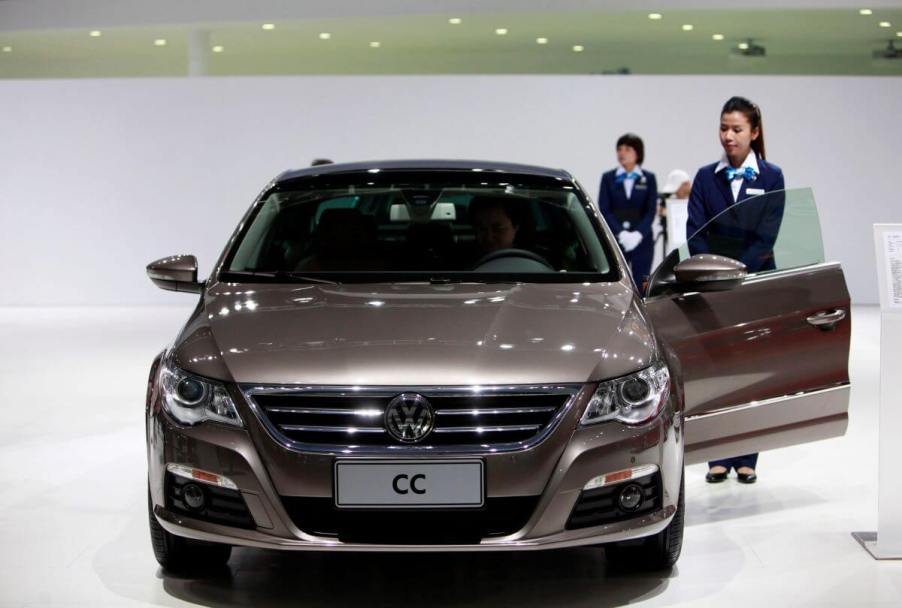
column 827, row 320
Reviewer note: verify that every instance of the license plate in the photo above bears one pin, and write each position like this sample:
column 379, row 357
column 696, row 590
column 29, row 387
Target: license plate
column 373, row 484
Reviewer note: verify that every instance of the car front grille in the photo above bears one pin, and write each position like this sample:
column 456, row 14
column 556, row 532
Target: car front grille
column 498, row 517
column 514, row 416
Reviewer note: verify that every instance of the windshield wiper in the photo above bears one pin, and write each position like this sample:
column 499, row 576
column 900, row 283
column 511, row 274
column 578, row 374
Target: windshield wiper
column 299, row 276
column 279, row 275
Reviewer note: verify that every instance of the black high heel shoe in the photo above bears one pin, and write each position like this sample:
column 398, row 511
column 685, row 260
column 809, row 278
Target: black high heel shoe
column 716, row 477
column 746, row 477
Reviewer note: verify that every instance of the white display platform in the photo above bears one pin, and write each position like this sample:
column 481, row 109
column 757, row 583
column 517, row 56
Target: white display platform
column 886, row 543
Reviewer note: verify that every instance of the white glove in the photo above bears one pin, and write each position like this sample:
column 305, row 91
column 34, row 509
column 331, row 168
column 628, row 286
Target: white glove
column 629, row 239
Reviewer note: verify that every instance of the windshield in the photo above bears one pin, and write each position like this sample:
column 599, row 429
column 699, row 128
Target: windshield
column 778, row 230
column 367, row 227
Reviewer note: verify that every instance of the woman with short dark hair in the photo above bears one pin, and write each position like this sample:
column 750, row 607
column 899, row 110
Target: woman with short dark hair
column 628, row 200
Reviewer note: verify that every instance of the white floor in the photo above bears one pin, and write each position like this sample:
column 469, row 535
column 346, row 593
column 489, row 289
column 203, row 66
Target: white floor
column 73, row 529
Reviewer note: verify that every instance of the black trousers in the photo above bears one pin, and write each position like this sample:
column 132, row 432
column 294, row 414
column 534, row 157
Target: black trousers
column 640, row 259
column 749, row 460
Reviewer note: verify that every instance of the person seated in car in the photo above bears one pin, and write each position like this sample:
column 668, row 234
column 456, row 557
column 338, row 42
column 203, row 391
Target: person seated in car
column 496, row 221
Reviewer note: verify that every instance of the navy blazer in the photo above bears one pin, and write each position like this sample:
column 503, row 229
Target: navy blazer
column 639, row 209
column 748, row 233
column 711, row 193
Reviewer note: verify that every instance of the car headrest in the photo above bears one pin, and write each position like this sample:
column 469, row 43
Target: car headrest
column 330, row 217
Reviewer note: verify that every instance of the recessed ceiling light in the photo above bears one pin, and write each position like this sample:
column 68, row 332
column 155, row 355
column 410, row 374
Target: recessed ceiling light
column 375, row 44
column 268, row 26
column 95, row 34
column 501, row 31
column 455, row 20
column 160, row 42
column 899, row 34
column 717, row 37
column 865, row 12
column 325, row 35
column 655, row 16
column 541, row 40
column 578, row 48
column 218, row 48
column 744, row 46
column 688, row 27
column 7, row 49
column 886, row 24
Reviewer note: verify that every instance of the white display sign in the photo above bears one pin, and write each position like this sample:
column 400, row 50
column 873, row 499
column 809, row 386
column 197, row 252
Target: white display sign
column 886, row 543
column 892, row 245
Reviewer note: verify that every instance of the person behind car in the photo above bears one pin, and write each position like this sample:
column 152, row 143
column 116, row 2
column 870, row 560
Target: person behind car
column 678, row 184
column 628, row 200
column 676, row 188
column 742, row 172
column 748, row 233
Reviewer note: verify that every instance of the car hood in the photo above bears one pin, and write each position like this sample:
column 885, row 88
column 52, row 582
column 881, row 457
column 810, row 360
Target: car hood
column 416, row 334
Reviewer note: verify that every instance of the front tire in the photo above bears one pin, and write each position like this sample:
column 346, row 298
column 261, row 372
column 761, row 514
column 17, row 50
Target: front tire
column 182, row 555
column 658, row 552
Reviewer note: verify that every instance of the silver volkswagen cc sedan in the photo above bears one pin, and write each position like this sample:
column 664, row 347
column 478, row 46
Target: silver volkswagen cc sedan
column 452, row 356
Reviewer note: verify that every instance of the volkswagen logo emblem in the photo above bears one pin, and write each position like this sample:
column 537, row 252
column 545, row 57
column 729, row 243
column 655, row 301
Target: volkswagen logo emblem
column 409, row 417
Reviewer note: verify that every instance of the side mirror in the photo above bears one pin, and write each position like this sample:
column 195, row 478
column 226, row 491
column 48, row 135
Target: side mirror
column 708, row 272
column 175, row 273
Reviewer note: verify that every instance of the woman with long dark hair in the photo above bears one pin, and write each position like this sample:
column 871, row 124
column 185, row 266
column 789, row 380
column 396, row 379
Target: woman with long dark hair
column 628, row 200
column 741, row 173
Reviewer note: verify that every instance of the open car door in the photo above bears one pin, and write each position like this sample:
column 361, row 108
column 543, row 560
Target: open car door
column 764, row 351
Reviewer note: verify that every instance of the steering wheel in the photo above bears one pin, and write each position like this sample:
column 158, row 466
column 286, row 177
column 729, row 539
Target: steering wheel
column 512, row 253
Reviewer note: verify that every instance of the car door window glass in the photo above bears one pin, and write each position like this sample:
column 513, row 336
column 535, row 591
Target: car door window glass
column 774, row 231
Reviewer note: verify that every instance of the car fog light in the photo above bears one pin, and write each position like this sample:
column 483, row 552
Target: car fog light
column 194, row 496
column 630, row 497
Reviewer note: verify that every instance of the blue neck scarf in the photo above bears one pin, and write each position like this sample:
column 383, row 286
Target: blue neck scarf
column 625, row 176
column 746, row 173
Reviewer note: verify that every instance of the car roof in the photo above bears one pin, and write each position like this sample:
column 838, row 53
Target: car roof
column 423, row 165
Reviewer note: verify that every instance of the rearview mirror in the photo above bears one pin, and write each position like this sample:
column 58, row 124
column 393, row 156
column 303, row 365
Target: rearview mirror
column 708, row 272
column 175, row 273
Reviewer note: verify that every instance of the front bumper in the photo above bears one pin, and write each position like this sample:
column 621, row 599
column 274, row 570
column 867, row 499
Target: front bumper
column 554, row 472
column 201, row 530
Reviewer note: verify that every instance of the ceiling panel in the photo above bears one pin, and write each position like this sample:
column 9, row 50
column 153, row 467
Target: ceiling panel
column 798, row 41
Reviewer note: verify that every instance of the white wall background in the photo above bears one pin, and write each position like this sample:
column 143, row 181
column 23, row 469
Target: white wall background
column 97, row 178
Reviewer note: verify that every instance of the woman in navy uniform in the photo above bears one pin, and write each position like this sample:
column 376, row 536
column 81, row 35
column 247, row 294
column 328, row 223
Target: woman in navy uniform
column 628, row 200
column 741, row 173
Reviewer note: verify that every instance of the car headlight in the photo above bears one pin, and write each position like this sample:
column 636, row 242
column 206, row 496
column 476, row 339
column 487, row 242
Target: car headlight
column 633, row 399
column 191, row 399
